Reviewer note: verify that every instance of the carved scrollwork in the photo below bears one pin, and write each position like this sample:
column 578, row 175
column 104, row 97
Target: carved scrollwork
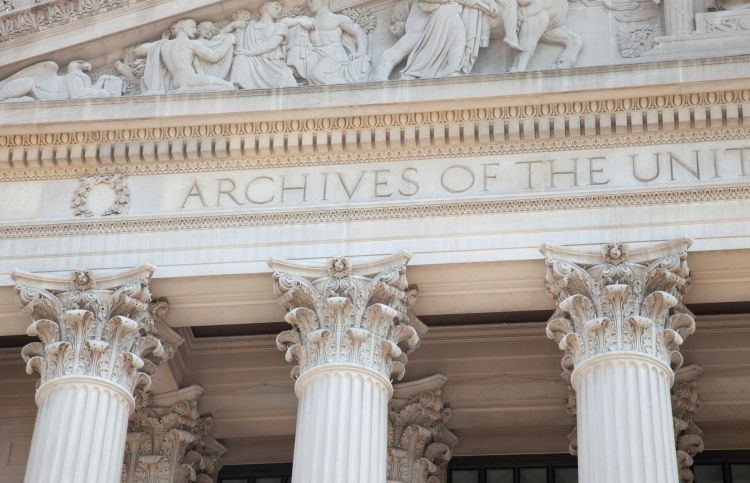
column 342, row 316
column 86, row 329
column 169, row 441
column 619, row 302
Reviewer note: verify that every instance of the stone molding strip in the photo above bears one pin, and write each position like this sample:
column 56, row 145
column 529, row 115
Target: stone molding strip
column 396, row 211
column 50, row 14
column 506, row 130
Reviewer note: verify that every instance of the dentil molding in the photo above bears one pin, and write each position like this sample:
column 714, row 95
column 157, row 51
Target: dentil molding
column 502, row 129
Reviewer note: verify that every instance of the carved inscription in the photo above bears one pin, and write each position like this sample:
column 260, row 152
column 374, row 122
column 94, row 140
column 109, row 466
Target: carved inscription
column 440, row 179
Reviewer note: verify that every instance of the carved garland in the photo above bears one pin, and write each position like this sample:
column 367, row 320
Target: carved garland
column 118, row 184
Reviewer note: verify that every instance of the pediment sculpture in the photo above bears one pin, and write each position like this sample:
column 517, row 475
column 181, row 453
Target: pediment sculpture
column 43, row 82
column 280, row 46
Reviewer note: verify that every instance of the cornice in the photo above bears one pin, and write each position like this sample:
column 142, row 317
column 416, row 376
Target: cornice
column 395, row 211
column 503, row 129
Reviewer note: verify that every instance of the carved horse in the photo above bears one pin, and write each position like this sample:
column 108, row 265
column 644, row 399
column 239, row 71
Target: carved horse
column 546, row 24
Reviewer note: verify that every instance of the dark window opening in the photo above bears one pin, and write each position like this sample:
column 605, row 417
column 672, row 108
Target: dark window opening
column 710, row 467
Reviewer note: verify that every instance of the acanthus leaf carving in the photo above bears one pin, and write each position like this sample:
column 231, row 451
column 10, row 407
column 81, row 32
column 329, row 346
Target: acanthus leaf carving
column 620, row 301
column 169, row 441
column 419, row 443
column 343, row 315
column 685, row 403
column 91, row 327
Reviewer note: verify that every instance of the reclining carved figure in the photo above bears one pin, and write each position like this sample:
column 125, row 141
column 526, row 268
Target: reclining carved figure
column 42, row 82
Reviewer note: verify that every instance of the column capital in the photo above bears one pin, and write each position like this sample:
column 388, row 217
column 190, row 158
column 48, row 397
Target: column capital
column 91, row 325
column 168, row 440
column 620, row 299
column 343, row 313
column 419, row 443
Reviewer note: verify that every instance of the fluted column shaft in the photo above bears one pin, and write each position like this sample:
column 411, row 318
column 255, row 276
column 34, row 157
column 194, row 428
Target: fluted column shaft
column 625, row 431
column 350, row 334
column 620, row 322
column 97, row 344
column 79, row 434
column 342, row 425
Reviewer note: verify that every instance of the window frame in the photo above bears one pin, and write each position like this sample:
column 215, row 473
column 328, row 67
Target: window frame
column 252, row 472
column 515, row 462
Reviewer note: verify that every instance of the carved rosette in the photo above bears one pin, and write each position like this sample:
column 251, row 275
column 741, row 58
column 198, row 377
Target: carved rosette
column 343, row 314
column 620, row 300
column 168, row 441
column 685, row 403
column 89, row 326
column 419, row 444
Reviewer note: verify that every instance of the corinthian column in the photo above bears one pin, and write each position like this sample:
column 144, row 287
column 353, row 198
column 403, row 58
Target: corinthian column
column 350, row 334
column 419, row 443
column 620, row 322
column 97, row 345
column 169, row 441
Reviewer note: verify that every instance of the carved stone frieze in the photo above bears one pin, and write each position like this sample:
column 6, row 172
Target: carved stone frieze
column 419, row 444
column 118, row 185
column 264, row 50
column 90, row 325
column 623, row 299
column 169, row 441
column 342, row 314
column 685, row 403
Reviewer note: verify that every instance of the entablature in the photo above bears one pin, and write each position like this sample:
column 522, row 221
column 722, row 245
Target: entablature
column 485, row 115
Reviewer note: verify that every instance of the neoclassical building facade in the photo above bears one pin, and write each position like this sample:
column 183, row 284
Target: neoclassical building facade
column 375, row 241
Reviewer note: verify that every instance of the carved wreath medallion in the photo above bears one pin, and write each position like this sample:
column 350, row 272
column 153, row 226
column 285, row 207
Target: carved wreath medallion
column 118, row 184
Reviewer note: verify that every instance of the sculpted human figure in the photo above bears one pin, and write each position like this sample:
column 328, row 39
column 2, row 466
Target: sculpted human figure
column 329, row 48
column 215, row 39
column 41, row 82
column 510, row 23
column 170, row 62
column 260, row 57
column 441, row 38
column 477, row 16
column 439, row 50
